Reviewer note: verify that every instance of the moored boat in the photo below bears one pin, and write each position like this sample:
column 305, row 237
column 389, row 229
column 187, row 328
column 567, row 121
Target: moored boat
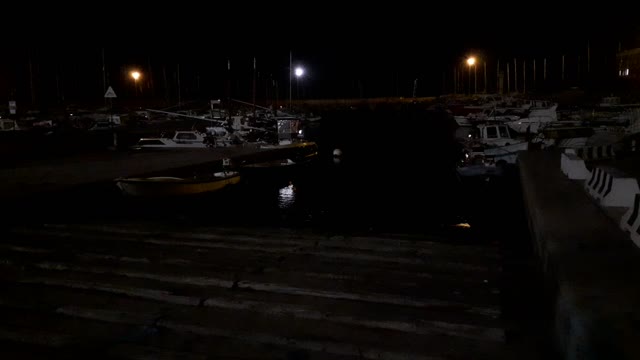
column 164, row 186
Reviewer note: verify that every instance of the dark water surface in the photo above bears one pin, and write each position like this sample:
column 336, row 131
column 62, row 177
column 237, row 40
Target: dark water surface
column 397, row 173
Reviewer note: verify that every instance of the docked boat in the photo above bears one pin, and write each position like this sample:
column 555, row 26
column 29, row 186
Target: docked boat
column 490, row 150
column 215, row 137
column 166, row 186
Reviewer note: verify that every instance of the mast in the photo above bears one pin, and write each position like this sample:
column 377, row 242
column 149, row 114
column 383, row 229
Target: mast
column 254, row 86
column 104, row 77
column 229, row 88
column 290, row 71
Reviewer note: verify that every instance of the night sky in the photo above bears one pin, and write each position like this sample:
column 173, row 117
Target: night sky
column 347, row 52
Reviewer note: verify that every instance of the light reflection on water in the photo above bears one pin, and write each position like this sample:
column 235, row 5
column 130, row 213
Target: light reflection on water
column 287, row 196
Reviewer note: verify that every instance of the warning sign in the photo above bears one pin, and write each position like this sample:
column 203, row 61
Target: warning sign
column 110, row 93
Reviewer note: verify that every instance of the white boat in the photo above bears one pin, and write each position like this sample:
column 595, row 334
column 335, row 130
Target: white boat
column 181, row 139
column 494, row 135
column 492, row 146
column 507, row 153
column 532, row 125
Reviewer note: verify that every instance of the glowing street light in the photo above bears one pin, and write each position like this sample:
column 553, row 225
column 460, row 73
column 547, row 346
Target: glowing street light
column 299, row 72
column 135, row 75
column 471, row 61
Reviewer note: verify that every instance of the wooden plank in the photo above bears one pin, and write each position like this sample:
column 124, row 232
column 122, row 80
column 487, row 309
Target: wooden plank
column 279, row 295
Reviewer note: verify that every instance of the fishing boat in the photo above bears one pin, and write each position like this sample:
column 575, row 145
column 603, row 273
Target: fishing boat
column 165, row 186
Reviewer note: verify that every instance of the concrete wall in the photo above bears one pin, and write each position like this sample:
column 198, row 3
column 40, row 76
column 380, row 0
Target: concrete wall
column 589, row 264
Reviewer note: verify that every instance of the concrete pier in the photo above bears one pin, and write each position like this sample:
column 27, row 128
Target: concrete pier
column 590, row 264
column 64, row 173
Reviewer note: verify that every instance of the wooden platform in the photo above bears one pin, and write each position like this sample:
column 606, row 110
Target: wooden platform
column 139, row 291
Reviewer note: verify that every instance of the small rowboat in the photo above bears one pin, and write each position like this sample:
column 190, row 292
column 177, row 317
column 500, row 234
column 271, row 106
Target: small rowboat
column 162, row 186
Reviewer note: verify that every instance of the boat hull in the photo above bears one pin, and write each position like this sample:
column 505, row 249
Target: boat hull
column 508, row 153
column 171, row 186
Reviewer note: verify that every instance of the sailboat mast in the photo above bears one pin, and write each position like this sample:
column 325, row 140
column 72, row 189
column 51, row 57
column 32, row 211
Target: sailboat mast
column 104, row 77
column 254, row 86
column 290, row 71
column 33, row 92
column 228, row 87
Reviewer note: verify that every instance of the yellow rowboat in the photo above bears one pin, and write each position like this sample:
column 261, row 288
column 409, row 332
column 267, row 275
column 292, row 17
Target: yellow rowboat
column 162, row 186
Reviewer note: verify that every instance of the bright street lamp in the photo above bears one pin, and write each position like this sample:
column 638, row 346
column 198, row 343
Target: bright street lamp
column 471, row 61
column 135, row 75
column 298, row 72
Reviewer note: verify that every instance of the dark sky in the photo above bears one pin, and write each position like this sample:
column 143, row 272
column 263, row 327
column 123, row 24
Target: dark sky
column 348, row 51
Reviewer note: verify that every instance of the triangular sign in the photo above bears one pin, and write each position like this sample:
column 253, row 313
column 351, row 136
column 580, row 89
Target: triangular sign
column 110, row 93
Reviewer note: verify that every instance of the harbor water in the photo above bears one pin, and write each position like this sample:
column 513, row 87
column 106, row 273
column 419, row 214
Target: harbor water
column 396, row 173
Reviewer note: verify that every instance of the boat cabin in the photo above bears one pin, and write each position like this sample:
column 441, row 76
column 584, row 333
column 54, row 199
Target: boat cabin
column 496, row 135
column 188, row 137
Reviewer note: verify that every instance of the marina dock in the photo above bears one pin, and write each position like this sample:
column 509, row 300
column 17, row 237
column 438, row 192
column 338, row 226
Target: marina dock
column 81, row 170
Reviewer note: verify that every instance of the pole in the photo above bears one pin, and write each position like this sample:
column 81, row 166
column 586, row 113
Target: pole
column 475, row 79
column 59, row 97
column 114, row 134
column 544, row 69
column 33, row 92
column 534, row 73
column 508, row 80
column 290, row 71
column 254, row 86
column 578, row 67
column 228, row 88
column 277, row 91
column 455, row 81
column 166, row 88
column 179, row 97
column 562, row 67
column 498, row 75
column 485, row 77
column 515, row 74
column 469, row 88
column 588, row 57
column 524, row 76
column 150, row 83
column 104, row 77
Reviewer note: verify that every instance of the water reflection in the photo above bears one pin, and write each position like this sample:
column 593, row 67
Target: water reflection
column 287, row 196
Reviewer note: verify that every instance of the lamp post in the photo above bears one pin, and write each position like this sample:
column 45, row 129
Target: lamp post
column 135, row 75
column 471, row 61
column 299, row 72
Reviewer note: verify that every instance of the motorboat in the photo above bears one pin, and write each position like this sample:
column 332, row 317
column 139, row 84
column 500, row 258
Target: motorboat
column 186, row 139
